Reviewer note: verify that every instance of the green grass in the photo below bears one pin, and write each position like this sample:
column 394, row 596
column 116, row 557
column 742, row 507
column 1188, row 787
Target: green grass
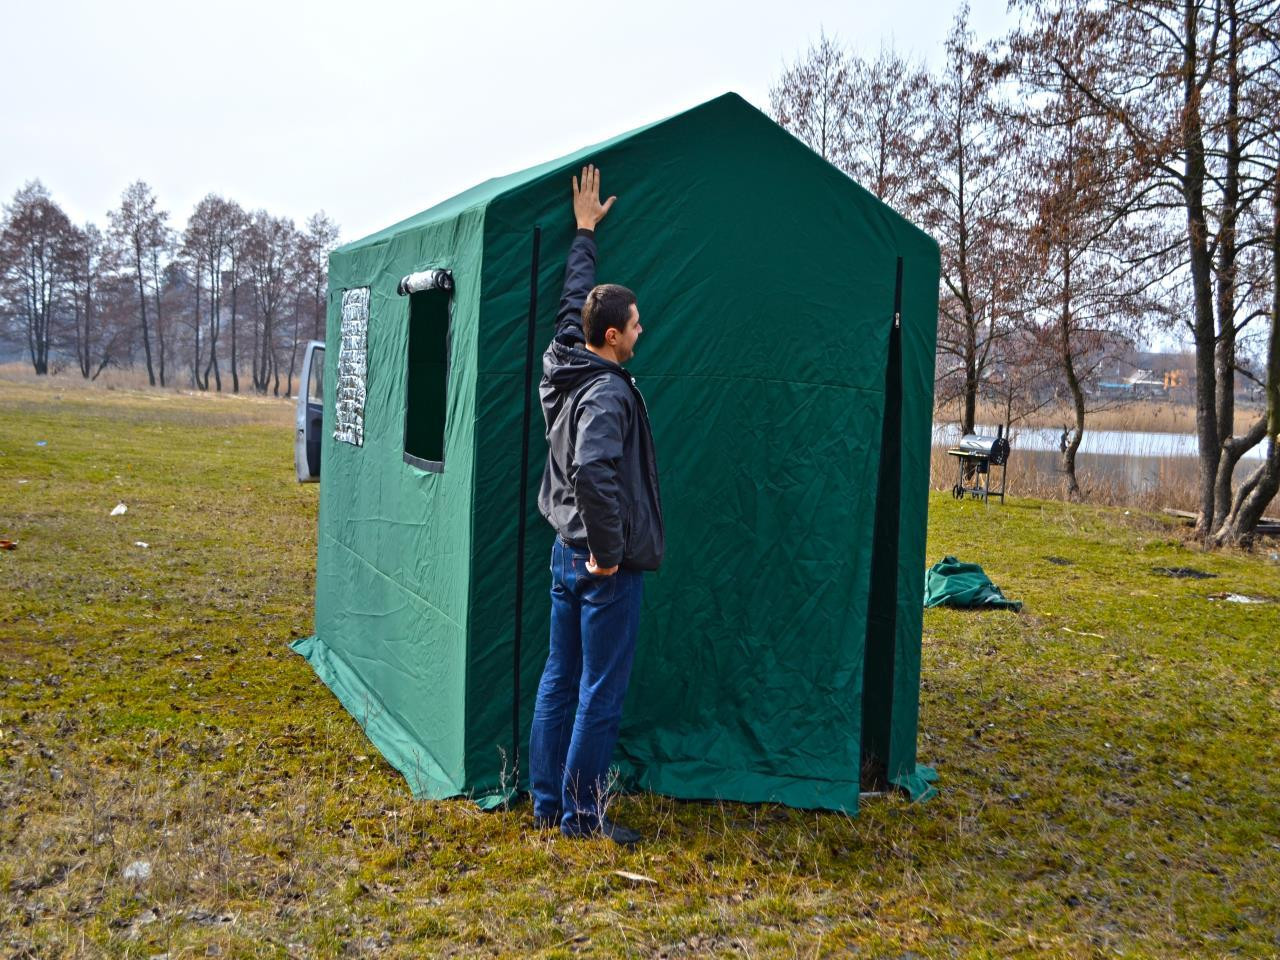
column 1108, row 758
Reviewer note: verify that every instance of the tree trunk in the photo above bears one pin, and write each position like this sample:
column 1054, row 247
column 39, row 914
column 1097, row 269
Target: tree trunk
column 196, row 358
column 1201, row 270
column 83, row 315
column 1263, row 484
column 319, row 313
column 39, row 310
column 1251, row 500
column 142, row 305
column 155, row 276
column 255, row 361
column 1225, row 352
column 235, row 369
column 37, row 267
column 46, row 318
column 82, row 345
column 1077, row 397
column 1224, row 402
column 214, row 310
column 970, row 319
column 88, row 321
column 970, row 410
column 1233, row 449
column 268, row 350
column 1074, row 437
column 293, row 352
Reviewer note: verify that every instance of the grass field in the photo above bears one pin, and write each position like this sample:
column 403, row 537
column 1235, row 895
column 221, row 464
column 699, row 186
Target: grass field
column 1109, row 759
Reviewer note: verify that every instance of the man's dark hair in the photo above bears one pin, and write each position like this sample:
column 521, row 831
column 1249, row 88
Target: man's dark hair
column 608, row 305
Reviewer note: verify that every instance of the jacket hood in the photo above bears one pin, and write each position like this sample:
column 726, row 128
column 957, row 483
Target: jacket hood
column 568, row 365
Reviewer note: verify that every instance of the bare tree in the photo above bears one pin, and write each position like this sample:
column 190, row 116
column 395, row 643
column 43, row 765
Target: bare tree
column 219, row 221
column 1087, row 298
column 206, row 246
column 314, row 246
column 269, row 256
column 1261, row 486
column 61, row 287
column 812, row 100
column 158, row 265
column 311, row 270
column 1173, row 76
column 232, row 278
column 95, row 342
column 36, row 244
column 1245, row 125
column 1017, row 383
column 937, row 150
column 192, row 260
column 966, row 199
column 888, row 100
column 115, row 315
column 138, row 229
column 1260, row 128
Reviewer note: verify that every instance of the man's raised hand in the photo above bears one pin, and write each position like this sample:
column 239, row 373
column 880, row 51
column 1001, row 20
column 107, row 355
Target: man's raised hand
column 586, row 199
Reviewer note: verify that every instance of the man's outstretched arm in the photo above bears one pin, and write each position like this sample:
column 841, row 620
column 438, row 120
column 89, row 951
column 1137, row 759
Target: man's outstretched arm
column 580, row 268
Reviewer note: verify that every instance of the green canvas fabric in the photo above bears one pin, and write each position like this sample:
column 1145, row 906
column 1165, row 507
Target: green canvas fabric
column 952, row 583
column 918, row 784
column 766, row 282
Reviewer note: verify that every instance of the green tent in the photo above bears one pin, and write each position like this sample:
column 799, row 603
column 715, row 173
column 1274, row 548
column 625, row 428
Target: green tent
column 779, row 649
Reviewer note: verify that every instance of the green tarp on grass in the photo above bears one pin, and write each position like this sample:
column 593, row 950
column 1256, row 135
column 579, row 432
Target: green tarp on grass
column 780, row 643
column 954, row 583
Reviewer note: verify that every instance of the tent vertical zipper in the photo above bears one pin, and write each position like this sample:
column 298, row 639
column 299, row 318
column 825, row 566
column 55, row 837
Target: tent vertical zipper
column 881, row 641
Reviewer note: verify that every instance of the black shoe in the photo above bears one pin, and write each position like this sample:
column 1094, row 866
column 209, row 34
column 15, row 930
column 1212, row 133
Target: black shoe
column 547, row 823
column 616, row 832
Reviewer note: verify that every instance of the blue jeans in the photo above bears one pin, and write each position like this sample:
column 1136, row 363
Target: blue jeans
column 575, row 718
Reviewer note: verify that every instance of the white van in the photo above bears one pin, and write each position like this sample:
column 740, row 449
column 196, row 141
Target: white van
column 310, row 415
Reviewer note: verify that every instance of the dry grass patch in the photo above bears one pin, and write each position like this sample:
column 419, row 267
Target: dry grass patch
column 1108, row 758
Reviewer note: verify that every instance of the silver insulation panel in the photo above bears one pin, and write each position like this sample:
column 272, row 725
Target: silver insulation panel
column 353, row 367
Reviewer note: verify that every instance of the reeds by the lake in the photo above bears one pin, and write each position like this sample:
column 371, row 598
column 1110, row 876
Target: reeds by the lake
column 1116, row 479
column 1144, row 416
column 1122, row 477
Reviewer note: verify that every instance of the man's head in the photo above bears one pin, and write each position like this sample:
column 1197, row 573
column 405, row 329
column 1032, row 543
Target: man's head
column 611, row 321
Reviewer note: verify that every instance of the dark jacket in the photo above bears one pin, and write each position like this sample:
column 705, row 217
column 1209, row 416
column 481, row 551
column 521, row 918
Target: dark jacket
column 600, row 488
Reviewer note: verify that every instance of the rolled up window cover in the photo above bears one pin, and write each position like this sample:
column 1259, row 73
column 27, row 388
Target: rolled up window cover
column 425, row 280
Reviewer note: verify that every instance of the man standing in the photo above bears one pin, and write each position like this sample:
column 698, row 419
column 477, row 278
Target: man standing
column 600, row 492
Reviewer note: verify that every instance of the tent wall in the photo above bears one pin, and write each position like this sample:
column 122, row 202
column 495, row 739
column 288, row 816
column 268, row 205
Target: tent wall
column 766, row 316
column 393, row 595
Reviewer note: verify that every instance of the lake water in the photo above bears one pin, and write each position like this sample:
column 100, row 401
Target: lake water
column 1126, row 443
column 1162, row 466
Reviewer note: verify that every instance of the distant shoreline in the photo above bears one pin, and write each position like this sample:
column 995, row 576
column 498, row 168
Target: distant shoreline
column 1146, row 416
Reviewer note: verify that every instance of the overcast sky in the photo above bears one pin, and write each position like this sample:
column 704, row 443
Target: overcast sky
column 373, row 111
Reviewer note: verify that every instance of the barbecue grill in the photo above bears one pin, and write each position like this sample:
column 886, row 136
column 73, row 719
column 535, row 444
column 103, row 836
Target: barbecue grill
column 975, row 456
